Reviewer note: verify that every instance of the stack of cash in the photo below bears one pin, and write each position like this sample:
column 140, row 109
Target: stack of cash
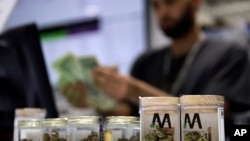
column 73, row 70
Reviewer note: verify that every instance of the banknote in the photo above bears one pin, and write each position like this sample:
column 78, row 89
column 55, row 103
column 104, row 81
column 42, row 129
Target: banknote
column 69, row 68
column 72, row 70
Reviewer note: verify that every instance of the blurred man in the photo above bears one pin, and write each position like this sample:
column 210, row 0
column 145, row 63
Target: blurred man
column 193, row 64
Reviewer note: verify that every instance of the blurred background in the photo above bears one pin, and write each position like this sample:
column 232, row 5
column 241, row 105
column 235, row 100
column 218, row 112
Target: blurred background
column 116, row 32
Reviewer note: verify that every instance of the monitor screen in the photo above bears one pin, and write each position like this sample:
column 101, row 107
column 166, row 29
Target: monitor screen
column 116, row 36
column 24, row 74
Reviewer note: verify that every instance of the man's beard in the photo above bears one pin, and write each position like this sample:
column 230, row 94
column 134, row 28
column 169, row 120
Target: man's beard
column 181, row 27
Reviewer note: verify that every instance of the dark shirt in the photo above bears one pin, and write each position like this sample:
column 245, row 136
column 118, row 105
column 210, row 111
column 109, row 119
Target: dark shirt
column 176, row 65
column 219, row 68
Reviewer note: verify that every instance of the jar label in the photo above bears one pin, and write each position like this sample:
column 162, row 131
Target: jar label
column 203, row 126
column 221, row 124
column 160, row 125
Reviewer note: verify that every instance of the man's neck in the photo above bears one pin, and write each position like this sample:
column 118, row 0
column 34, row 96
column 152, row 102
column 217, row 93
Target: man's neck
column 183, row 45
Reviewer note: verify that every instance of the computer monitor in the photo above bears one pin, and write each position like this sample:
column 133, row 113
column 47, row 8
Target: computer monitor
column 23, row 78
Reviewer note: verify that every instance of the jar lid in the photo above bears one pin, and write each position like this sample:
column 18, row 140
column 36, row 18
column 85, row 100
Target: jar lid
column 29, row 123
column 122, row 120
column 83, row 120
column 30, row 112
column 159, row 101
column 201, row 99
column 54, row 122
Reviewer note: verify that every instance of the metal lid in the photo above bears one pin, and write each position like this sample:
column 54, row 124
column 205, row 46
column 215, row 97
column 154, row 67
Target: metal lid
column 54, row 122
column 122, row 120
column 83, row 120
column 29, row 123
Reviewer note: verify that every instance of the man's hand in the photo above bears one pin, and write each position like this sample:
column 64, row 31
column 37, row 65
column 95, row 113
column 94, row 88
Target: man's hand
column 122, row 109
column 122, row 87
column 112, row 83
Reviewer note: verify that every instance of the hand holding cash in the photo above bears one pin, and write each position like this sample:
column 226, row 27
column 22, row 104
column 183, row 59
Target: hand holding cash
column 77, row 84
column 83, row 82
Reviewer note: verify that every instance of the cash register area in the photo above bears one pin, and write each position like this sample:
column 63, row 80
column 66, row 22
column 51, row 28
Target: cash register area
column 42, row 40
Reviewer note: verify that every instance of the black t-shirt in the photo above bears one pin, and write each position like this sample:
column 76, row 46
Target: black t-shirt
column 176, row 64
column 219, row 68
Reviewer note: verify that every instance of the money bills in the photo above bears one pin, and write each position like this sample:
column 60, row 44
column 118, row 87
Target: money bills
column 73, row 70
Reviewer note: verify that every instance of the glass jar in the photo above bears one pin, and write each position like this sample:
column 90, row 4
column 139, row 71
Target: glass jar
column 29, row 130
column 202, row 117
column 54, row 129
column 121, row 128
column 135, row 125
column 160, row 118
column 84, row 128
column 26, row 114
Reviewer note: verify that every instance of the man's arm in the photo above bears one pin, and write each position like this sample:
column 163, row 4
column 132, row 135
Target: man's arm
column 124, row 87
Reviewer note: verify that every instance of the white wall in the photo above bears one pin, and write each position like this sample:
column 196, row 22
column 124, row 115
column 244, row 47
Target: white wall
column 156, row 37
